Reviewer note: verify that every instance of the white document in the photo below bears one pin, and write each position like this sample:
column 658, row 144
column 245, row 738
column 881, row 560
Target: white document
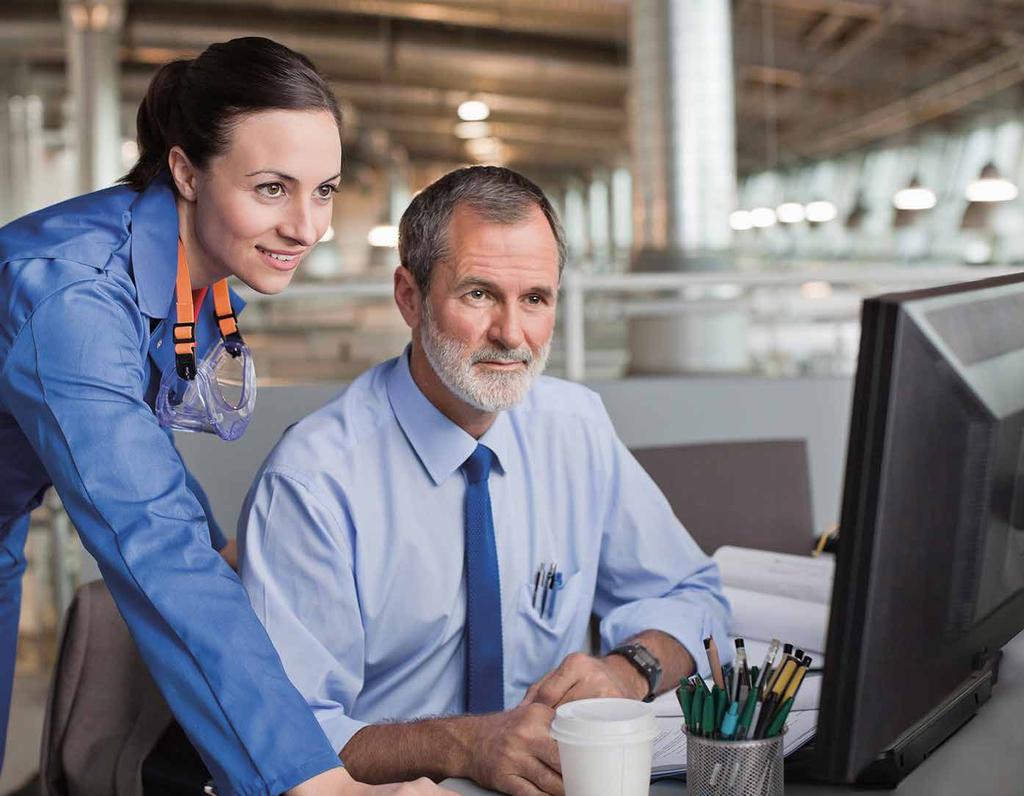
column 762, row 617
column 806, row 578
column 670, row 743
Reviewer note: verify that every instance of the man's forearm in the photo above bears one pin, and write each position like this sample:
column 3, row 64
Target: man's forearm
column 435, row 748
column 676, row 661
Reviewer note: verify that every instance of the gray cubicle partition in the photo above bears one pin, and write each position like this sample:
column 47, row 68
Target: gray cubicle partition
column 646, row 412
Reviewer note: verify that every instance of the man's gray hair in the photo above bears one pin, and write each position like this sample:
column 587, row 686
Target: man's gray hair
column 497, row 194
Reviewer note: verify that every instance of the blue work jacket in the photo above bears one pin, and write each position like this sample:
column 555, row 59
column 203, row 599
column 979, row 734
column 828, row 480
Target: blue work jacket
column 86, row 317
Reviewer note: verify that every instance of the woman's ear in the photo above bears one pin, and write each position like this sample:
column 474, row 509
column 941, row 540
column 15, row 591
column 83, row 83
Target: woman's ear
column 183, row 173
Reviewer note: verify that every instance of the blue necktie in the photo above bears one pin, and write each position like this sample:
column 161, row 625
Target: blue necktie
column 485, row 683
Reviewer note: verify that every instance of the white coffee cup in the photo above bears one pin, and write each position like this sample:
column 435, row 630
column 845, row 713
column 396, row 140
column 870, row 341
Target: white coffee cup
column 605, row 746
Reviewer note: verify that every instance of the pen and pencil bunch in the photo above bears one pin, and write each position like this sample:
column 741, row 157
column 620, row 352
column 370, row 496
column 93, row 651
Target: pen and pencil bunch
column 745, row 702
column 547, row 582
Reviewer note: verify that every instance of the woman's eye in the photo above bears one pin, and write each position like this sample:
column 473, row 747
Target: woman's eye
column 326, row 191
column 271, row 189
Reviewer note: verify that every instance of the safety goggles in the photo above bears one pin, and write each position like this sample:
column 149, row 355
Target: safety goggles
column 216, row 395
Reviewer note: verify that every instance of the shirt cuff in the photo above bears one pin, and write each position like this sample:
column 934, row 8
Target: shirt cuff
column 687, row 623
column 299, row 774
column 338, row 727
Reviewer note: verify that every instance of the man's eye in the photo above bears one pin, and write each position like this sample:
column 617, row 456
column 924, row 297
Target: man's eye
column 477, row 294
column 535, row 299
column 271, row 189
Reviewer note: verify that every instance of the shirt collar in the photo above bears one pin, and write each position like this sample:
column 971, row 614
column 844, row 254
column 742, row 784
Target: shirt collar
column 440, row 444
column 155, row 246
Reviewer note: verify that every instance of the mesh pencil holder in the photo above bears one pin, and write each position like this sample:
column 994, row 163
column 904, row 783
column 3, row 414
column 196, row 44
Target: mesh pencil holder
column 733, row 768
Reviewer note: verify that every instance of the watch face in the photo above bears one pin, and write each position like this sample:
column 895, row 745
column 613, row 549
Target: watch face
column 644, row 656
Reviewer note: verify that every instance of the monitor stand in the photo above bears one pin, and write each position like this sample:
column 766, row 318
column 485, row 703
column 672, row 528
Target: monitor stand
column 915, row 745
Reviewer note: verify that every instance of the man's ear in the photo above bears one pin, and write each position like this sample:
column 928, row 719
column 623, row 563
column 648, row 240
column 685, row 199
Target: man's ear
column 408, row 297
column 184, row 174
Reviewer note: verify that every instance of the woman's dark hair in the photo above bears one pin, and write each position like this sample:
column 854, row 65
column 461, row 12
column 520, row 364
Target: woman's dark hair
column 194, row 104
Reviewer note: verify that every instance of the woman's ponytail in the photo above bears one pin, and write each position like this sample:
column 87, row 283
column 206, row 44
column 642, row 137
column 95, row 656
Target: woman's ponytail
column 158, row 123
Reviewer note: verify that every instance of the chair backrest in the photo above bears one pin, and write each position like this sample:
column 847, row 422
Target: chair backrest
column 104, row 712
column 750, row 494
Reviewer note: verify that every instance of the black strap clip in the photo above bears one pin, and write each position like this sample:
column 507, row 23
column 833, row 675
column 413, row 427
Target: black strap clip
column 232, row 342
column 185, row 364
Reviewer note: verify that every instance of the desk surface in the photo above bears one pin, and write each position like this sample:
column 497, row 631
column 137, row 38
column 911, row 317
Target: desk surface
column 986, row 756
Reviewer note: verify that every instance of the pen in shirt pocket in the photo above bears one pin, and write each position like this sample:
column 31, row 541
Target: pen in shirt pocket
column 555, row 588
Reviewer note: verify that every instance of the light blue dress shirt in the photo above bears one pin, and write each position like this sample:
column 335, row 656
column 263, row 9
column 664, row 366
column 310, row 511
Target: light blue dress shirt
column 352, row 546
column 86, row 291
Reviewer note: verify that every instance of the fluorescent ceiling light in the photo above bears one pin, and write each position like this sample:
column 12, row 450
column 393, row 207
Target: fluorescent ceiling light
column 991, row 186
column 485, row 150
column 820, row 212
column 474, row 111
column 472, row 130
column 384, row 236
column 914, row 197
column 740, row 220
column 762, row 217
column 790, row 212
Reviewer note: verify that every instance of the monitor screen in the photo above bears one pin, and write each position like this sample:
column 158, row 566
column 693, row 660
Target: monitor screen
column 930, row 570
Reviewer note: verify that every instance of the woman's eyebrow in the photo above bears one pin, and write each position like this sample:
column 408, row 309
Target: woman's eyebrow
column 287, row 177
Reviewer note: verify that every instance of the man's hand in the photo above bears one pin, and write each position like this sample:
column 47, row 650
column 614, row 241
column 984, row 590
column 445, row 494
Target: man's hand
column 515, row 754
column 581, row 677
column 338, row 782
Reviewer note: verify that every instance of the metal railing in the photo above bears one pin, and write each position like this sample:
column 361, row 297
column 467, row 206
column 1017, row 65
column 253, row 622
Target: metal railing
column 577, row 285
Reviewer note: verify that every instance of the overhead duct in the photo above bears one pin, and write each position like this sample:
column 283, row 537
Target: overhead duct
column 682, row 119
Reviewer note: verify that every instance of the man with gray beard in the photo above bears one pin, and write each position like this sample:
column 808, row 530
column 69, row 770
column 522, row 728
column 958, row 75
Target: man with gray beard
column 426, row 550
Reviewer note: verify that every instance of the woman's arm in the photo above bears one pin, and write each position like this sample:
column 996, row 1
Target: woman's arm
column 73, row 379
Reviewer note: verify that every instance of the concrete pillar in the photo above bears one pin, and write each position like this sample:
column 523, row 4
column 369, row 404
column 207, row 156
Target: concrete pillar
column 622, row 211
column 7, row 212
column 92, row 35
column 25, row 126
column 599, row 218
column 682, row 115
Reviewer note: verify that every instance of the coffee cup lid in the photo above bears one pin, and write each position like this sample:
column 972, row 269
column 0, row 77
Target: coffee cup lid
column 604, row 720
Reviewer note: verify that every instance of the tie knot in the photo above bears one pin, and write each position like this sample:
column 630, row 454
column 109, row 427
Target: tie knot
column 478, row 466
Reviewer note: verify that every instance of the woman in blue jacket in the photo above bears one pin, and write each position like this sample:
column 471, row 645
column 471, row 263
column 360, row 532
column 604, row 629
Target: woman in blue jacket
column 107, row 344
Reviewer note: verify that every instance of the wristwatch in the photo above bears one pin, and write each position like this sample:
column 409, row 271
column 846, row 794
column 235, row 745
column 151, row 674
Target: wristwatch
column 645, row 662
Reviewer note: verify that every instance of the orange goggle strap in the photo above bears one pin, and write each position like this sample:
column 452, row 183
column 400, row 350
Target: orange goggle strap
column 185, row 327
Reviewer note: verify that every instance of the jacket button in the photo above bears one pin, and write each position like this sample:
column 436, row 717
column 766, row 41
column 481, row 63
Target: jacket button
column 159, row 343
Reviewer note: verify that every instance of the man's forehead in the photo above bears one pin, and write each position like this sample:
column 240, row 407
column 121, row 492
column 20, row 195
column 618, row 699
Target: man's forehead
column 524, row 248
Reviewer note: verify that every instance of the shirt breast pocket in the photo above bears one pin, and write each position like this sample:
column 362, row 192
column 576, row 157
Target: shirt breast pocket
column 543, row 640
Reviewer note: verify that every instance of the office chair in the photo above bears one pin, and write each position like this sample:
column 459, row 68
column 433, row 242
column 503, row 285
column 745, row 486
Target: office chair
column 749, row 494
column 108, row 730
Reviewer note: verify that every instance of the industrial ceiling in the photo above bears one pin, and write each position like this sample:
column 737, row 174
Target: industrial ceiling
column 813, row 77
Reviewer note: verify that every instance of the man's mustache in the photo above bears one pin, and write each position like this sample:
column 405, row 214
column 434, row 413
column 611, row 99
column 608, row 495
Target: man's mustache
column 501, row 355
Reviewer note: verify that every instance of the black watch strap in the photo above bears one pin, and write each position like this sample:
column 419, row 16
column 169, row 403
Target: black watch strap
column 645, row 662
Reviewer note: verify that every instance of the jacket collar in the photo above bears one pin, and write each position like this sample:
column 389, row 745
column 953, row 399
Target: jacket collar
column 155, row 247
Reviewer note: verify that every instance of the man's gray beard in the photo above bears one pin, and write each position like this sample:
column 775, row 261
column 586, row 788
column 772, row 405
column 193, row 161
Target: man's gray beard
column 483, row 389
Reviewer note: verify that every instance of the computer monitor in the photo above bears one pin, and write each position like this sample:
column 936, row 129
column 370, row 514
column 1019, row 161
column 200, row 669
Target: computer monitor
column 930, row 570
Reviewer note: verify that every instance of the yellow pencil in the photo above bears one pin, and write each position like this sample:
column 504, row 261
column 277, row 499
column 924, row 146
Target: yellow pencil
column 716, row 663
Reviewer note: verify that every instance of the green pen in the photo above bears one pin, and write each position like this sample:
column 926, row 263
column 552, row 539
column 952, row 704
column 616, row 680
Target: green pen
column 721, row 705
column 707, row 722
column 780, row 719
column 747, row 715
column 685, row 697
column 698, row 710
